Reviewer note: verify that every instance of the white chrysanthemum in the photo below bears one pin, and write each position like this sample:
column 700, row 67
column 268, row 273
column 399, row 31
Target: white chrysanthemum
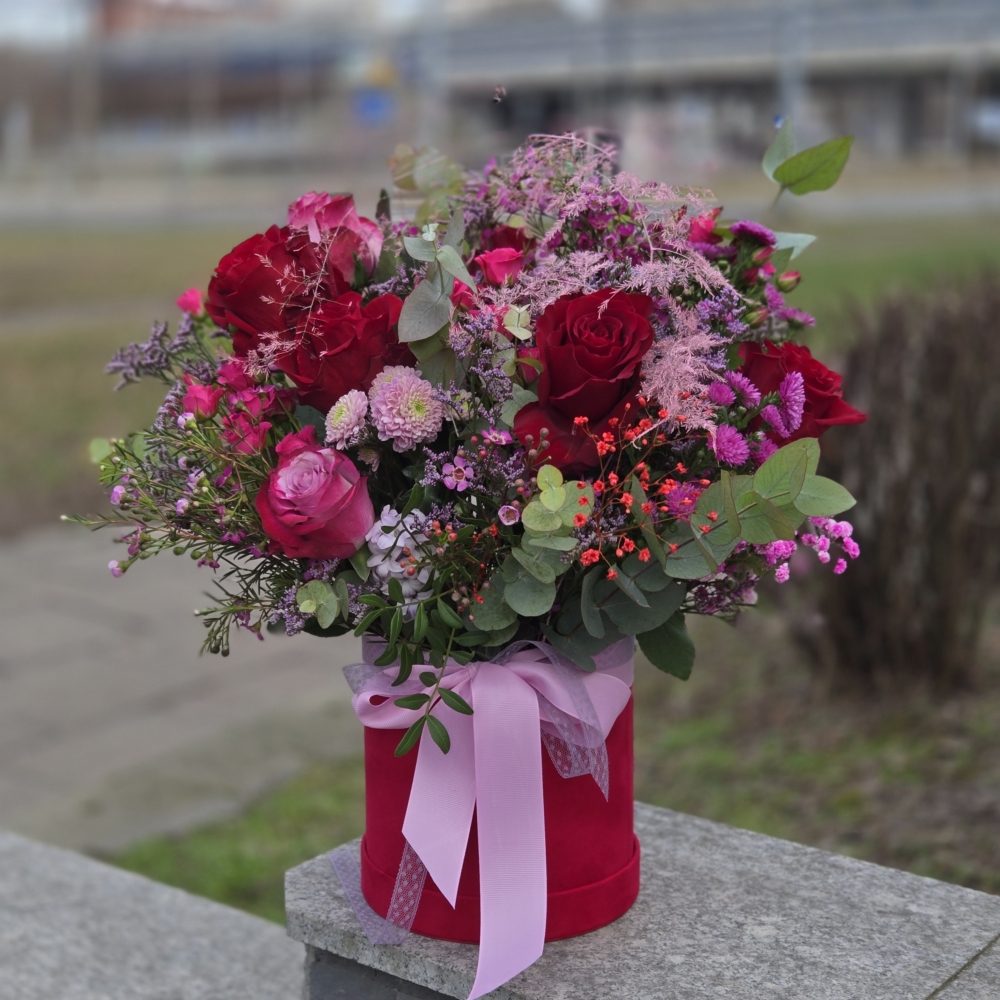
column 346, row 419
column 395, row 544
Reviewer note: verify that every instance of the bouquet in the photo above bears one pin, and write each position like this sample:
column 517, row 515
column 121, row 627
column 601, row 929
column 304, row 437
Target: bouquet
column 557, row 408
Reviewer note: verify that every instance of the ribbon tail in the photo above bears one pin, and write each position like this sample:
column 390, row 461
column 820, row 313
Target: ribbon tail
column 442, row 798
column 511, row 822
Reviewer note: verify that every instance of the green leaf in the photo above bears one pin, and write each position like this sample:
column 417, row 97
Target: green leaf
column 439, row 734
column 781, row 477
column 549, row 477
column 427, row 308
column 99, row 450
column 494, row 614
column 428, row 678
column 455, row 701
column 669, row 647
column 413, row 700
column 395, row 627
column 360, row 563
column 763, row 521
column 448, row 614
column 319, row 599
column 529, row 597
column 419, row 248
column 553, row 498
column 579, row 648
column 796, row 242
column 630, row 589
column 367, row 621
column 822, row 497
column 632, row 619
column 782, row 147
column 555, row 543
column 645, row 522
column 536, row 518
column 541, row 570
column 410, row 737
column 592, row 620
column 518, row 401
column 517, row 322
column 383, row 207
column 816, row 168
column 451, row 263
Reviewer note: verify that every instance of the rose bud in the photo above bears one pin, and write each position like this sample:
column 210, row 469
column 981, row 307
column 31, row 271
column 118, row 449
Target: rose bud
column 756, row 317
column 788, row 280
column 762, row 255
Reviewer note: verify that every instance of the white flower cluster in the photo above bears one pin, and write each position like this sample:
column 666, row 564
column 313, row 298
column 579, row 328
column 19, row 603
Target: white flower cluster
column 396, row 543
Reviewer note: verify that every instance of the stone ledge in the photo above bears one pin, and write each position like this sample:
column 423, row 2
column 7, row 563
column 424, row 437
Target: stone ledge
column 74, row 929
column 722, row 913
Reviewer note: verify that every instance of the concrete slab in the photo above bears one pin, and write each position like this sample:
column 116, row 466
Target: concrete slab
column 723, row 913
column 74, row 929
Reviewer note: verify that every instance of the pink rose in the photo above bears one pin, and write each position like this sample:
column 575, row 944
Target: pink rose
column 499, row 265
column 201, row 400
column 315, row 504
column 244, row 428
column 322, row 213
column 190, row 302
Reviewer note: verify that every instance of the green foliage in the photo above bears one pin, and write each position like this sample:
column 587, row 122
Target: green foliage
column 521, row 398
column 669, row 647
column 822, row 497
column 427, row 308
column 817, row 168
column 319, row 599
column 782, row 148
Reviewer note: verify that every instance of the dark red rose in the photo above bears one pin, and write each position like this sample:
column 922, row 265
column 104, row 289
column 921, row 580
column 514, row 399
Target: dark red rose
column 591, row 347
column 270, row 281
column 505, row 237
column 315, row 504
column 343, row 345
column 352, row 237
column 768, row 363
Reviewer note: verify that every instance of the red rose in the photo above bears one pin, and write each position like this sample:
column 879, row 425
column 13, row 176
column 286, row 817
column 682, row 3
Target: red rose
column 591, row 347
column 266, row 283
column 499, row 265
column 315, row 504
column 507, row 237
column 343, row 345
column 768, row 363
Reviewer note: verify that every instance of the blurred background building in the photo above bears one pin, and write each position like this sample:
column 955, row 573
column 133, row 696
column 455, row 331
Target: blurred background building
column 133, row 86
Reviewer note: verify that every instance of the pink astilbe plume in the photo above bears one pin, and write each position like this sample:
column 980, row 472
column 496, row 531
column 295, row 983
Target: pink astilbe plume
column 678, row 369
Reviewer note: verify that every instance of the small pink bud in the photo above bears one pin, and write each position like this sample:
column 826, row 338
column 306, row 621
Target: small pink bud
column 190, row 301
column 788, row 280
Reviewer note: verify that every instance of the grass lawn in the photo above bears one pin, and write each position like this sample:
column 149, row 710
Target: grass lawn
column 757, row 743
column 68, row 299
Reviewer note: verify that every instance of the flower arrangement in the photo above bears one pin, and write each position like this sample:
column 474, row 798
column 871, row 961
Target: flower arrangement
column 551, row 415
column 559, row 404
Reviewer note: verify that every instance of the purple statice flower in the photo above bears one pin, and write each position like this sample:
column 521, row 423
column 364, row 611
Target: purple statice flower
column 785, row 417
column 170, row 408
column 457, row 475
column 152, row 357
column 731, row 447
column 320, row 569
column 747, row 394
column 286, row 612
column 723, row 312
column 405, row 408
column 721, row 394
column 345, row 422
column 509, row 515
column 752, row 232
column 725, row 593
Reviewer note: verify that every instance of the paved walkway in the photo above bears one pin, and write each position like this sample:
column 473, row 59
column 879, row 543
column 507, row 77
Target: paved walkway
column 111, row 725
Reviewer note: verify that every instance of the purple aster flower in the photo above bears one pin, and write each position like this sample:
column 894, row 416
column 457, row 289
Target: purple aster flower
column 405, row 408
column 509, row 515
column 762, row 450
column 458, row 474
column 721, row 394
column 680, row 502
column 786, row 417
column 747, row 393
column 753, row 231
column 731, row 446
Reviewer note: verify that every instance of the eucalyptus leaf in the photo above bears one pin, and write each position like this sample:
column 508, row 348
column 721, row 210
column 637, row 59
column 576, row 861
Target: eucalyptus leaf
column 796, row 242
column 536, row 518
column 530, row 597
column 822, row 497
column 427, row 308
column 517, row 322
column 549, row 477
column 539, row 569
column 592, row 620
column 519, row 400
column 782, row 147
column 669, row 647
column 319, row 599
column 451, row 263
column 419, row 248
column 814, row 169
column 494, row 613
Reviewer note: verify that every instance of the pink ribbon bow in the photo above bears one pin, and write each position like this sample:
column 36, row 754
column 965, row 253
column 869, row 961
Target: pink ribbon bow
column 495, row 768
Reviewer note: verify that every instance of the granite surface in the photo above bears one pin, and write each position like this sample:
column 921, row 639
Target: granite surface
column 723, row 914
column 74, row 929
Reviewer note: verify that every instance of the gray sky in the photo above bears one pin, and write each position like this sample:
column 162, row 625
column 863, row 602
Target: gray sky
column 41, row 21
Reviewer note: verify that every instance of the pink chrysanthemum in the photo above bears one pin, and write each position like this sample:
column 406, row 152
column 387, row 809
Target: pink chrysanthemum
column 731, row 446
column 346, row 419
column 405, row 408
